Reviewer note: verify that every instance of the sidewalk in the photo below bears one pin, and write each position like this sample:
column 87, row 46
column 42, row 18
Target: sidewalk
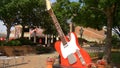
column 31, row 61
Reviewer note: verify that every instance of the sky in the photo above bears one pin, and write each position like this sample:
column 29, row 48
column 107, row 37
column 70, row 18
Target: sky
column 53, row 0
column 2, row 27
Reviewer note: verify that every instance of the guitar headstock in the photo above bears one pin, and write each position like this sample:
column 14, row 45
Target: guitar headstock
column 48, row 4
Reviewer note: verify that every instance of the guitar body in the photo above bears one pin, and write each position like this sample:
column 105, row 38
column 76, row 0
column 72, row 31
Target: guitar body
column 77, row 64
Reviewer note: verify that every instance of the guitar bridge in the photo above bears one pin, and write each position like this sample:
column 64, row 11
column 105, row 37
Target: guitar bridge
column 71, row 58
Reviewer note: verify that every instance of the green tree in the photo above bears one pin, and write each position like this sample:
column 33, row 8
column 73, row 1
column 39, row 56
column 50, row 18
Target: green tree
column 91, row 13
column 33, row 13
column 64, row 10
column 116, row 19
column 27, row 11
column 96, row 14
column 24, row 12
column 8, row 14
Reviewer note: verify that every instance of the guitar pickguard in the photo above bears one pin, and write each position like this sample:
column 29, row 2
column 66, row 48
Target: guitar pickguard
column 70, row 48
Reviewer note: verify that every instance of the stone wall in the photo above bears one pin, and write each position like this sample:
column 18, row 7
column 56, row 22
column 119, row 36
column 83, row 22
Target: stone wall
column 17, row 50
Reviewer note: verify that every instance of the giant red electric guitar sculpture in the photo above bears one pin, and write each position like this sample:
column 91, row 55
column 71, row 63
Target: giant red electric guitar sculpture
column 71, row 54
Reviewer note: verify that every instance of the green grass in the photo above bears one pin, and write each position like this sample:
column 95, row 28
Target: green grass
column 115, row 56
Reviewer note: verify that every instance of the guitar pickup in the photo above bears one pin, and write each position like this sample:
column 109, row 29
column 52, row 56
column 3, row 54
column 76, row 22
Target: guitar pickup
column 65, row 45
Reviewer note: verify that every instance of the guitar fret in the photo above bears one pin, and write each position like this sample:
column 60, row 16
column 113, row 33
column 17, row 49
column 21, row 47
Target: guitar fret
column 60, row 32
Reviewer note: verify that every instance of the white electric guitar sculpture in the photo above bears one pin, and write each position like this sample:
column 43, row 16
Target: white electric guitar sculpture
column 71, row 54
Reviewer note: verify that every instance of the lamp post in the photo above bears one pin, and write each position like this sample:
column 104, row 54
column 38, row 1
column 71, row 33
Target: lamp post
column 35, row 31
column 81, row 32
column 105, row 30
column 69, row 21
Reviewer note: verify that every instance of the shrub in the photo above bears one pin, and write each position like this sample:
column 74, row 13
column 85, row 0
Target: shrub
column 93, row 55
column 115, row 42
column 2, row 43
column 115, row 57
column 13, row 43
column 18, row 42
column 25, row 41
column 81, row 40
column 42, row 49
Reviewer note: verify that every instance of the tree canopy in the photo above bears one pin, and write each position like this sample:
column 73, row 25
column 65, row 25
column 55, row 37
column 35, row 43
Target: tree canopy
column 100, row 13
column 25, row 12
column 7, row 14
column 87, row 13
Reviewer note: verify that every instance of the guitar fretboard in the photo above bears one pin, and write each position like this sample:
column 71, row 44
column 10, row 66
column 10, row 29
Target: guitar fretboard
column 57, row 25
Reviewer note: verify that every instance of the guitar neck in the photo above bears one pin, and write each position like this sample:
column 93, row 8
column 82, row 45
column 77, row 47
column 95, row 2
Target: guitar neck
column 57, row 25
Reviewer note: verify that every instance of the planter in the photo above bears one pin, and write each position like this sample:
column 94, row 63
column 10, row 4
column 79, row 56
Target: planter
column 100, row 66
column 50, row 62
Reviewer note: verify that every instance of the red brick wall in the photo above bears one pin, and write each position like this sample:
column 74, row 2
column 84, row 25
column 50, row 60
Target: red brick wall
column 90, row 34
